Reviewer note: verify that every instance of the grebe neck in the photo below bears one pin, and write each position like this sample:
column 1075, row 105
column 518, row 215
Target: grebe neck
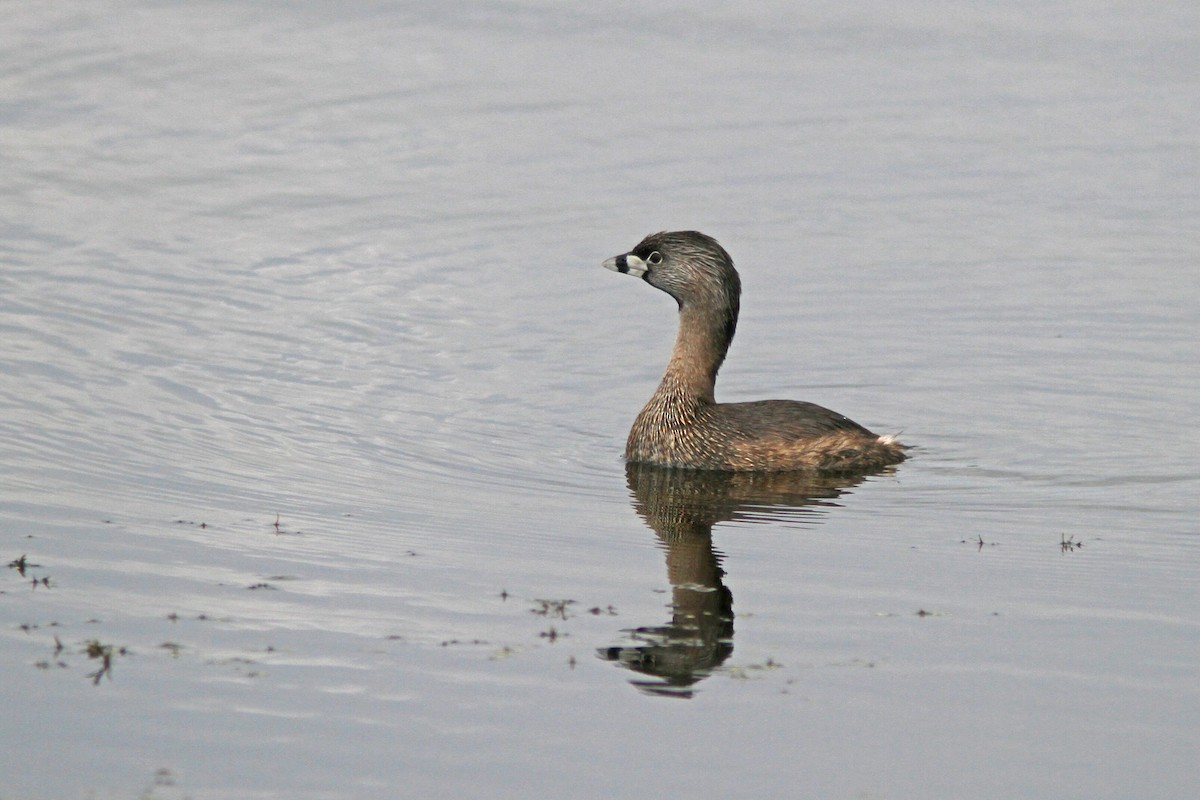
column 701, row 343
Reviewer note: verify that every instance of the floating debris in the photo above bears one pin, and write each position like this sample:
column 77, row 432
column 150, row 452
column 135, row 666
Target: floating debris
column 21, row 564
column 978, row 542
column 552, row 608
column 104, row 653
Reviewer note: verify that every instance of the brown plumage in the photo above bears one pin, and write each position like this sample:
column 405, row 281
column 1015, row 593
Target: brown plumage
column 684, row 426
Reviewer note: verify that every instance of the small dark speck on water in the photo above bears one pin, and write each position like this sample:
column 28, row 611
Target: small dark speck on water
column 1067, row 544
column 552, row 608
column 104, row 653
column 21, row 564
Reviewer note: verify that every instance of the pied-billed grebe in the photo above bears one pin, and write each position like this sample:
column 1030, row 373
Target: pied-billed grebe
column 683, row 425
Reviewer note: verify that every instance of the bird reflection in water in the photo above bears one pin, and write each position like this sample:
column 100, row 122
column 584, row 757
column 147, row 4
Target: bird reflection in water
column 681, row 506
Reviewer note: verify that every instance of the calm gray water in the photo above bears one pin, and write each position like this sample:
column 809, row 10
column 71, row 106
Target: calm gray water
column 313, row 395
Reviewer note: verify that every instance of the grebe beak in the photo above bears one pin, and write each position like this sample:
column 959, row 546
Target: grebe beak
column 627, row 264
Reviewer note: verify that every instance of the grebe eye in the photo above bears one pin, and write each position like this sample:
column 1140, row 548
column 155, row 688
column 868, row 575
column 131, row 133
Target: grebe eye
column 654, row 258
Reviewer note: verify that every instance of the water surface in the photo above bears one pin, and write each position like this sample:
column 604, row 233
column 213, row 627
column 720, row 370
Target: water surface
column 313, row 395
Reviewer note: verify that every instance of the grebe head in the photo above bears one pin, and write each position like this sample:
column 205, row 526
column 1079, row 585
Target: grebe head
column 688, row 265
